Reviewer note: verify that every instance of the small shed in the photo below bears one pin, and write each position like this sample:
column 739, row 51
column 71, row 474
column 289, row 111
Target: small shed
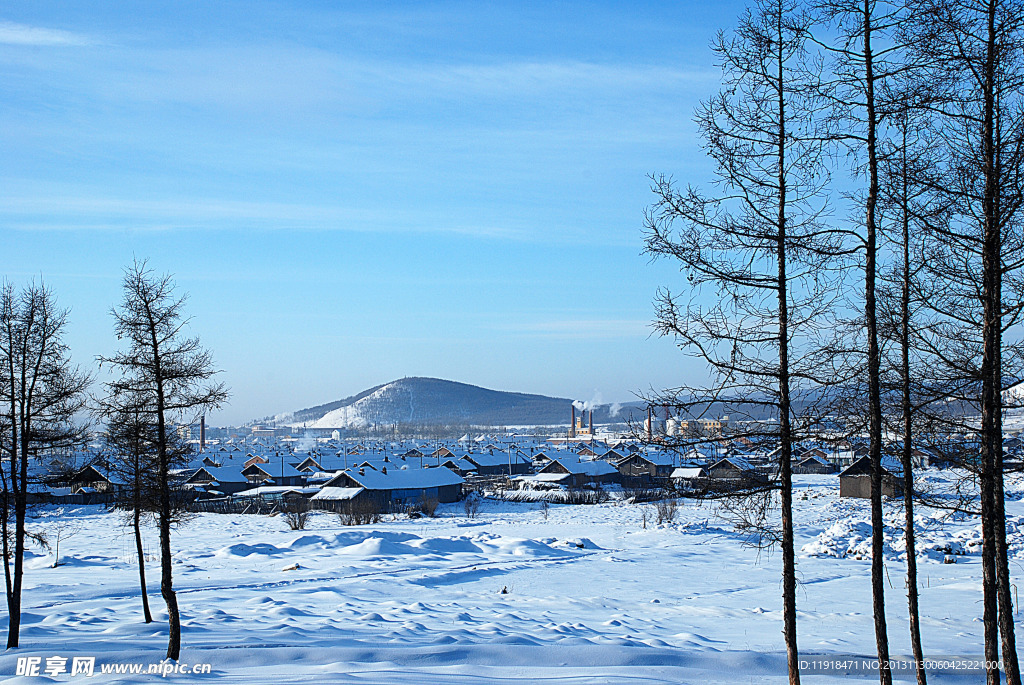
column 855, row 481
column 576, row 473
column 645, row 467
column 689, row 476
column 734, row 471
column 336, row 494
column 813, row 464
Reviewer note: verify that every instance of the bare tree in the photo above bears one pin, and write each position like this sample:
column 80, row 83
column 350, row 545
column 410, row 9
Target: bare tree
column 864, row 57
column 906, row 203
column 61, row 528
column 976, row 52
column 757, row 248
column 41, row 393
column 168, row 375
column 133, row 441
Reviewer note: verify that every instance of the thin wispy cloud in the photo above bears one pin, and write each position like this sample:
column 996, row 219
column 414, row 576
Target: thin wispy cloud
column 20, row 34
column 297, row 78
column 52, row 212
column 535, row 77
column 580, row 329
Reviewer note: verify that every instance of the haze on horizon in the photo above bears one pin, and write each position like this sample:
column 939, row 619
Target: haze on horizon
column 353, row 194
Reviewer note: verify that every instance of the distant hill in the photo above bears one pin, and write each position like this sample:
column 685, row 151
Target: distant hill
column 432, row 401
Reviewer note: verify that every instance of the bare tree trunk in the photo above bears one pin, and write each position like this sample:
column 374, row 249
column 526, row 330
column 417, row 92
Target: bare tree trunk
column 1011, row 664
column 908, row 509
column 908, row 431
column 20, row 509
column 5, row 530
column 142, row 562
column 167, row 590
column 13, row 578
column 166, row 578
column 991, row 436
column 14, row 594
column 786, row 484
column 786, row 432
column 874, row 365
column 990, row 610
column 1002, row 566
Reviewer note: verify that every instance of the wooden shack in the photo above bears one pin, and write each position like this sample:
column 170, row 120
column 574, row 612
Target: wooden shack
column 855, row 481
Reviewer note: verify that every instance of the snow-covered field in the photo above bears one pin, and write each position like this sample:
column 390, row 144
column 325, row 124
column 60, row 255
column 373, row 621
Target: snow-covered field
column 573, row 594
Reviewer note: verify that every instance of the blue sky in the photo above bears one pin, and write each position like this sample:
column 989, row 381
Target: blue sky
column 355, row 192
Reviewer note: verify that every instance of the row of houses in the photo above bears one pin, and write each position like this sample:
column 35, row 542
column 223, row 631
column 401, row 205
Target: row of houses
column 401, row 472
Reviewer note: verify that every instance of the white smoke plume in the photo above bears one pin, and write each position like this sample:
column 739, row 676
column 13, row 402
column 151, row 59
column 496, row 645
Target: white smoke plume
column 590, row 405
column 306, row 443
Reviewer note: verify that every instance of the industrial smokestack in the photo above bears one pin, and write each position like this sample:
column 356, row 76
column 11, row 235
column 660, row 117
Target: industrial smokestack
column 202, row 433
column 572, row 422
column 591, row 421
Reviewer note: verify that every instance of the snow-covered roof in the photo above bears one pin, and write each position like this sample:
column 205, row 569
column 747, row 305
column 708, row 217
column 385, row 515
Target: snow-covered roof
column 739, row 462
column 332, row 493
column 584, row 468
column 321, row 476
column 499, row 459
column 863, row 466
column 655, row 458
column 694, row 453
column 399, row 479
column 307, row 464
column 688, row 472
column 275, row 490
column 544, row 477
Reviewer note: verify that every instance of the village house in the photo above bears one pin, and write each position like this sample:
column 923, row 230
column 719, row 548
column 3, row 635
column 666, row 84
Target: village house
column 645, row 467
column 689, row 477
column 574, row 473
column 499, row 464
column 813, row 464
column 734, row 472
column 855, row 481
column 389, row 487
column 90, row 479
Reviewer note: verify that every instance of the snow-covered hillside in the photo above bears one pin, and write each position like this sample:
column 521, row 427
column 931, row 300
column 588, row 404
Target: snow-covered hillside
column 432, row 401
column 520, row 594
